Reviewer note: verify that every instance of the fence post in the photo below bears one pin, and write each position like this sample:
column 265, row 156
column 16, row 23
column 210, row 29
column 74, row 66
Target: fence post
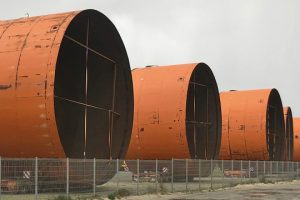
column 138, row 176
column 211, row 174
column 186, row 175
column 156, row 171
column 293, row 170
column 232, row 170
column 223, row 174
column 280, row 170
column 241, row 171
column 199, row 166
column 249, row 170
column 288, row 168
column 117, row 173
column 264, row 167
column 36, row 178
column 257, row 170
column 297, row 168
column 172, row 175
column 277, row 168
column 94, row 177
column 282, row 167
column 290, row 171
column 67, row 188
column 271, row 167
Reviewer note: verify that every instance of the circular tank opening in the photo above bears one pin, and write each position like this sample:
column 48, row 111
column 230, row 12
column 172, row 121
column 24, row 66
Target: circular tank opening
column 289, row 134
column 203, row 114
column 93, row 89
column 275, row 127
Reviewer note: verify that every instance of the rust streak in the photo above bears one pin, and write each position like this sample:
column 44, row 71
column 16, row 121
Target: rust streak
column 5, row 87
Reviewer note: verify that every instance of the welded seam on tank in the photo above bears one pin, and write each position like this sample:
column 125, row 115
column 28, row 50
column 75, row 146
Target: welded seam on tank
column 228, row 132
column 92, row 50
column 276, row 138
column 267, row 132
column 206, row 124
column 19, row 58
column 274, row 154
column 112, row 111
column 199, row 84
column 88, row 105
column 52, row 45
column 6, row 28
column 194, row 114
column 181, row 104
column 49, row 64
column 200, row 123
column 287, row 136
column 86, row 84
column 206, row 127
column 289, row 142
column 244, row 135
column 216, row 99
column 22, row 48
column 51, row 48
column 290, row 136
column 285, row 152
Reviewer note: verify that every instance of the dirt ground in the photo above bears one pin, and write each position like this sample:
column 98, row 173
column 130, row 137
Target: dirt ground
column 235, row 188
column 261, row 191
column 280, row 190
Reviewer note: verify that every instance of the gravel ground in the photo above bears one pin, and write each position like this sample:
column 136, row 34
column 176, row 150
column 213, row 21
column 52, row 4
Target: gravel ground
column 280, row 190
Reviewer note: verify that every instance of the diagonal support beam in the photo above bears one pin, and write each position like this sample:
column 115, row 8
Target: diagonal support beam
column 92, row 50
column 87, row 105
column 86, row 85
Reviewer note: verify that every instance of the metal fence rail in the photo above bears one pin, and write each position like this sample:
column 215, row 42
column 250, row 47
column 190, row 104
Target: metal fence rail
column 49, row 178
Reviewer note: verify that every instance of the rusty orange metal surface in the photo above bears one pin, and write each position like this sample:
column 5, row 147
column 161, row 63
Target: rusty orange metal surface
column 289, row 134
column 171, row 113
column 252, row 125
column 296, row 124
column 29, row 54
column 29, row 49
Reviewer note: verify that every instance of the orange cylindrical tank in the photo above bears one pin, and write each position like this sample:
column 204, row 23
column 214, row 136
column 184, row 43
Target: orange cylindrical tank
column 176, row 113
column 289, row 134
column 296, row 124
column 252, row 125
column 65, row 87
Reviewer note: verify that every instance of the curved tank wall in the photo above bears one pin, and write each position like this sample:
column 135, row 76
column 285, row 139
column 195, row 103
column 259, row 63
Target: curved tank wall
column 289, row 134
column 65, row 87
column 252, row 125
column 296, row 123
column 65, row 91
column 176, row 113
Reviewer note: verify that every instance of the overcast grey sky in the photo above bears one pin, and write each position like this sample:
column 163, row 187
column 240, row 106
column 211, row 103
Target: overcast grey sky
column 248, row 44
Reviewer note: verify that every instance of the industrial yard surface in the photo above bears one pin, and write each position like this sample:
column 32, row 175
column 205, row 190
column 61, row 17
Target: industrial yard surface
column 280, row 190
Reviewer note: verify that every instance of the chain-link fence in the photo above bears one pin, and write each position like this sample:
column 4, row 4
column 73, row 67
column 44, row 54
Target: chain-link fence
column 84, row 178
